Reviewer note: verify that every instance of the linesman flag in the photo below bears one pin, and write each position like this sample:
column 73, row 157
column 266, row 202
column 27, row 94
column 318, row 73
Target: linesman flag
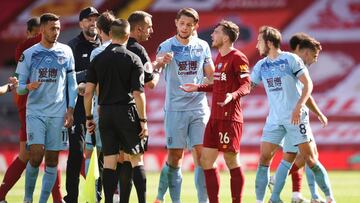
column 91, row 177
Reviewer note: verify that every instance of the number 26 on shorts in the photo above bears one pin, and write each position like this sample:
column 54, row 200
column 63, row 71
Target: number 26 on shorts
column 224, row 139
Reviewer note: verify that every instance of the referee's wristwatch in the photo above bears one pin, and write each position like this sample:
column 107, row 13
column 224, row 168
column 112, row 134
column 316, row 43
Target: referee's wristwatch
column 143, row 120
column 90, row 117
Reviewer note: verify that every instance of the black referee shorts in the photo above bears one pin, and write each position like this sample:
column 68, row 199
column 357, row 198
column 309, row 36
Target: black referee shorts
column 119, row 127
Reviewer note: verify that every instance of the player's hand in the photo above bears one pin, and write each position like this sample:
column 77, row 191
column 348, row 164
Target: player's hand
column 295, row 118
column 90, row 126
column 227, row 100
column 323, row 119
column 69, row 118
column 14, row 82
column 189, row 87
column 81, row 88
column 33, row 85
column 144, row 130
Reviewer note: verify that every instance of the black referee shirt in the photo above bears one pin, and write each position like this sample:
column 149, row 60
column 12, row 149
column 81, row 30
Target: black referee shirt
column 119, row 72
column 139, row 50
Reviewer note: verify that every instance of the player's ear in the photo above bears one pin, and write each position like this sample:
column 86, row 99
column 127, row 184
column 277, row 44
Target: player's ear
column 196, row 26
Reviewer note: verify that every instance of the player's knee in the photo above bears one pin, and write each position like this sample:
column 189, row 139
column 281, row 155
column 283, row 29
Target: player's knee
column 265, row 159
column 35, row 161
column 231, row 160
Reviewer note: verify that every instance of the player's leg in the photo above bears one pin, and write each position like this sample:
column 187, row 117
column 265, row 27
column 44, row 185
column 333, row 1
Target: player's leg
column 270, row 141
column 307, row 152
column 176, row 131
column 315, row 196
column 50, row 174
column 36, row 132
column 229, row 141
column 56, row 140
column 212, row 177
column 297, row 172
column 199, row 119
column 14, row 171
column 163, row 183
column 237, row 179
column 282, row 173
column 139, row 176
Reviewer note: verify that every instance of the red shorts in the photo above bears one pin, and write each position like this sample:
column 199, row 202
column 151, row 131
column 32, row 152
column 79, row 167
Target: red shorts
column 22, row 117
column 224, row 135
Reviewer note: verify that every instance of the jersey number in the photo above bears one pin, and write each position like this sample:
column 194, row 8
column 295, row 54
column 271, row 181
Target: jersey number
column 224, row 139
column 302, row 128
column 64, row 134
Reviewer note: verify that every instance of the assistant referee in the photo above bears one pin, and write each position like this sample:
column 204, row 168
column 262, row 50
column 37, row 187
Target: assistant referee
column 122, row 117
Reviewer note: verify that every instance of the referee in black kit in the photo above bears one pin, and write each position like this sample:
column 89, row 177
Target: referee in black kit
column 122, row 117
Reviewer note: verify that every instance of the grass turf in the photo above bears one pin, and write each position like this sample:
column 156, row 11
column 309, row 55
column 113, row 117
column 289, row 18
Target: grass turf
column 345, row 184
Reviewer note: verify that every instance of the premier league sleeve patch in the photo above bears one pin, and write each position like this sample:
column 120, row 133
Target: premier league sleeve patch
column 22, row 57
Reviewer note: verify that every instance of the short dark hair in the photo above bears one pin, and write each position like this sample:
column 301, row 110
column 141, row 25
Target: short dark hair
column 271, row 34
column 120, row 28
column 104, row 21
column 296, row 39
column 32, row 23
column 189, row 12
column 310, row 43
column 230, row 29
column 137, row 17
column 46, row 17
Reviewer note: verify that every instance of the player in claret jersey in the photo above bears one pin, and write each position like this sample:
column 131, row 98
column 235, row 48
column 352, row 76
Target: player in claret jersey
column 224, row 130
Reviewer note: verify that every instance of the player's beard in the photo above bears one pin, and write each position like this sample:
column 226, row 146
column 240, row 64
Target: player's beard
column 266, row 51
column 91, row 32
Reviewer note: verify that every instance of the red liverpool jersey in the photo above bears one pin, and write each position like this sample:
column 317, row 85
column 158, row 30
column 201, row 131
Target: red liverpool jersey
column 21, row 99
column 231, row 76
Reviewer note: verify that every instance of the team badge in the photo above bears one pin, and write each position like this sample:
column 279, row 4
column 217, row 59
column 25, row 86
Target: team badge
column 282, row 67
column 61, row 60
column 219, row 66
column 244, row 68
column 47, row 59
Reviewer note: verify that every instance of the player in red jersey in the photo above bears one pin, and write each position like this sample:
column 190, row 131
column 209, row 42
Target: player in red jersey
column 224, row 129
column 16, row 168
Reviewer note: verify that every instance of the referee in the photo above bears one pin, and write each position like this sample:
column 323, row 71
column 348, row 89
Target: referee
column 122, row 117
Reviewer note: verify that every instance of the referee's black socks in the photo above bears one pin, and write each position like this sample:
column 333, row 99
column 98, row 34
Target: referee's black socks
column 109, row 183
column 139, row 178
column 125, row 181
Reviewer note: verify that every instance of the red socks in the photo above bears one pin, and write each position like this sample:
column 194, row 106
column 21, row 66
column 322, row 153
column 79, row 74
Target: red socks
column 12, row 175
column 237, row 183
column 296, row 176
column 212, row 180
column 56, row 191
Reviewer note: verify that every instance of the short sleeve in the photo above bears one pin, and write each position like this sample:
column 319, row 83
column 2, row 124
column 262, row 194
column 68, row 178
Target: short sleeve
column 255, row 75
column 91, row 72
column 137, row 75
column 23, row 66
column 297, row 65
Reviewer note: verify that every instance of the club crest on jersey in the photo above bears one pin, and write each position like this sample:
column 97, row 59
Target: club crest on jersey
column 282, row 67
column 22, row 57
column 61, row 60
column 244, row 68
column 219, row 66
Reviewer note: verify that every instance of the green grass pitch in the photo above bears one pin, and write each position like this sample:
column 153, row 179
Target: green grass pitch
column 346, row 186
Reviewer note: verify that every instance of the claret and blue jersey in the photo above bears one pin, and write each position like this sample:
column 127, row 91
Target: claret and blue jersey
column 281, row 83
column 186, row 67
